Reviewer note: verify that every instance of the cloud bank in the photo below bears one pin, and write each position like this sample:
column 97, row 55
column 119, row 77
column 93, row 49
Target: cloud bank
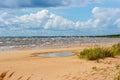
column 104, row 20
column 44, row 3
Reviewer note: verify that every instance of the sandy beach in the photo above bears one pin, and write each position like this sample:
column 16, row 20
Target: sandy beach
column 59, row 39
column 25, row 64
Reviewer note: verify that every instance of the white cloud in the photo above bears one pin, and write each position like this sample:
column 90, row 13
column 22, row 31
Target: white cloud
column 117, row 22
column 78, row 3
column 58, row 22
column 42, row 19
column 104, row 13
column 103, row 18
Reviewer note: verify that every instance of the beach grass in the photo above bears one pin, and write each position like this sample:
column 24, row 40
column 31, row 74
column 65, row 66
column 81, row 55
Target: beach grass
column 116, row 49
column 100, row 53
column 6, row 76
column 96, row 53
column 117, row 66
column 118, row 76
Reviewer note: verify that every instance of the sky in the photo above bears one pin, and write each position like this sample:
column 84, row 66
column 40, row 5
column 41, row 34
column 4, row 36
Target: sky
column 59, row 17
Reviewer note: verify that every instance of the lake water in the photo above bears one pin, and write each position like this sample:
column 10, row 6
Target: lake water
column 57, row 54
column 10, row 44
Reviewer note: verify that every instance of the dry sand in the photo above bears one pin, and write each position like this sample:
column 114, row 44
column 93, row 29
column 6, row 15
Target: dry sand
column 26, row 64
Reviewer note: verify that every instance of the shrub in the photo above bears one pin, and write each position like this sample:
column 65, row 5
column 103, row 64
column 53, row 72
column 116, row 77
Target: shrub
column 96, row 53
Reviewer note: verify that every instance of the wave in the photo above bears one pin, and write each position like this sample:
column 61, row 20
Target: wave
column 41, row 43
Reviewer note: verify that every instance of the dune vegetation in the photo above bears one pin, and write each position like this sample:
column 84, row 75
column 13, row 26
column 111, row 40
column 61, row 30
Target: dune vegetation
column 116, row 49
column 6, row 76
column 99, row 53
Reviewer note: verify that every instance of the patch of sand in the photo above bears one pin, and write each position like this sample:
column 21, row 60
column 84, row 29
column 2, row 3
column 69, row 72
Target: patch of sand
column 25, row 64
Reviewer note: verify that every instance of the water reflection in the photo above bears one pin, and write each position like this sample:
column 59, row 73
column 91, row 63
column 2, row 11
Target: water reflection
column 57, row 54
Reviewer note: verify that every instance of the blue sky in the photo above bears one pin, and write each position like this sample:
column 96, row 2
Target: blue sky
column 59, row 17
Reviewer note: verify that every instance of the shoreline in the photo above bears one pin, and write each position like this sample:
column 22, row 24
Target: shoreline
column 41, row 49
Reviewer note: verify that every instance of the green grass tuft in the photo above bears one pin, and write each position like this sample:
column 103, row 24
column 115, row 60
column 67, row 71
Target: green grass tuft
column 96, row 53
column 116, row 49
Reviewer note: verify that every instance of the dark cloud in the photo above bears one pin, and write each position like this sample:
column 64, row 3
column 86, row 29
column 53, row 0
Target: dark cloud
column 30, row 3
column 43, row 3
